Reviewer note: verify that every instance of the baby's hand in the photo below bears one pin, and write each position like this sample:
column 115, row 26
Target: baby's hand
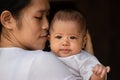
column 100, row 70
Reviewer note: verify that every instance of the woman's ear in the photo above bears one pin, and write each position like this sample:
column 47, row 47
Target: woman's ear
column 6, row 19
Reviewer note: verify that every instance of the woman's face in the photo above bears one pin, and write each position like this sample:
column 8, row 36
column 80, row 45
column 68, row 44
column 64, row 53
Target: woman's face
column 32, row 26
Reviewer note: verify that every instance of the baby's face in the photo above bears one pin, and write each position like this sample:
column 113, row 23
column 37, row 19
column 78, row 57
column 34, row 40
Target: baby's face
column 65, row 38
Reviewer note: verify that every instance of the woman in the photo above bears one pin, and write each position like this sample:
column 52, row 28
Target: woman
column 23, row 33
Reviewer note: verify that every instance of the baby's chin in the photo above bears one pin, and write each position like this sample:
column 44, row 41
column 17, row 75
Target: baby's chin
column 64, row 54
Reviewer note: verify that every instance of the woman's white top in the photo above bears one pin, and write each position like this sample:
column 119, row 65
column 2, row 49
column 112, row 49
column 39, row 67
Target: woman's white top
column 81, row 64
column 20, row 64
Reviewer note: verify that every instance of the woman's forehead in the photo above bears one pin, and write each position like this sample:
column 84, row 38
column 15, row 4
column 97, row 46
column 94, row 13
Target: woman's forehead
column 41, row 3
column 39, row 6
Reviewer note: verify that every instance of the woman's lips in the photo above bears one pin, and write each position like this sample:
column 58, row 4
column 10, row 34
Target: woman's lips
column 44, row 36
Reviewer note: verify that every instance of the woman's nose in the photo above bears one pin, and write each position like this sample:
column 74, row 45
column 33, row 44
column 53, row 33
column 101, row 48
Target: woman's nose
column 45, row 24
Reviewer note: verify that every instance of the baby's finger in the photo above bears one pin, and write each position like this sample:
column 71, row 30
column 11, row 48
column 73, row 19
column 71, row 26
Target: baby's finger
column 108, row 69
column 95, row 69
column 103, row 73
column 98, row 69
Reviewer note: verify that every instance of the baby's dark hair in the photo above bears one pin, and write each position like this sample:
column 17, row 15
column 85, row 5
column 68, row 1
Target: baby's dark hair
column 14, row 6
column 70, row 15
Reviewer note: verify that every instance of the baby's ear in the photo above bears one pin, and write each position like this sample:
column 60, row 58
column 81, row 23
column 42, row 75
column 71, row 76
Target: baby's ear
column 6, row 19
column 48, row 37
column 84, row 42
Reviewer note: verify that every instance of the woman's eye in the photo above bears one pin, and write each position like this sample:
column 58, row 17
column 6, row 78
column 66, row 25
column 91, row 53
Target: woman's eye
column 58, row 37
column 39, row 18
column 72, row 37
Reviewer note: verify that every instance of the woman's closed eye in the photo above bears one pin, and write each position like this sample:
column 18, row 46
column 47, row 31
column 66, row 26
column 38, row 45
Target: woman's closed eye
column 39, row 18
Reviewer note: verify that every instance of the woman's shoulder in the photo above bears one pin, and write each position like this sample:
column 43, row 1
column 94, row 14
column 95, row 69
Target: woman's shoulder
column 22, row 53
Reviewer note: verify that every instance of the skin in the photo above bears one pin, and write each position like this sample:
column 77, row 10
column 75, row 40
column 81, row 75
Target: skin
column 88, row 46
column 100, row 72
column 30, row 30
column 66, row 41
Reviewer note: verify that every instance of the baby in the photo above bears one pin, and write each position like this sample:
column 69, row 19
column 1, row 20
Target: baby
column 67, row 39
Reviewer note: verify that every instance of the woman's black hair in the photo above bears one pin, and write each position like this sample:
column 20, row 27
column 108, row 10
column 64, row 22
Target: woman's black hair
column 14, row 6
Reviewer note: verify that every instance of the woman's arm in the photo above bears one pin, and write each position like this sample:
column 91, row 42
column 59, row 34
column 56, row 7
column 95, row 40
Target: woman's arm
column 89, row 45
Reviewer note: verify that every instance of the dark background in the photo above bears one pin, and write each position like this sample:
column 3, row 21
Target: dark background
column 103, row 22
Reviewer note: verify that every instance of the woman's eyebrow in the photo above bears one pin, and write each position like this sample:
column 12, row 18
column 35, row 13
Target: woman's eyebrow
column 44, row 10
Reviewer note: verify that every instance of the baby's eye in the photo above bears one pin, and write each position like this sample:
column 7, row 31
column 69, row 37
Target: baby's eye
column 58, row 37
column 73, row 37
